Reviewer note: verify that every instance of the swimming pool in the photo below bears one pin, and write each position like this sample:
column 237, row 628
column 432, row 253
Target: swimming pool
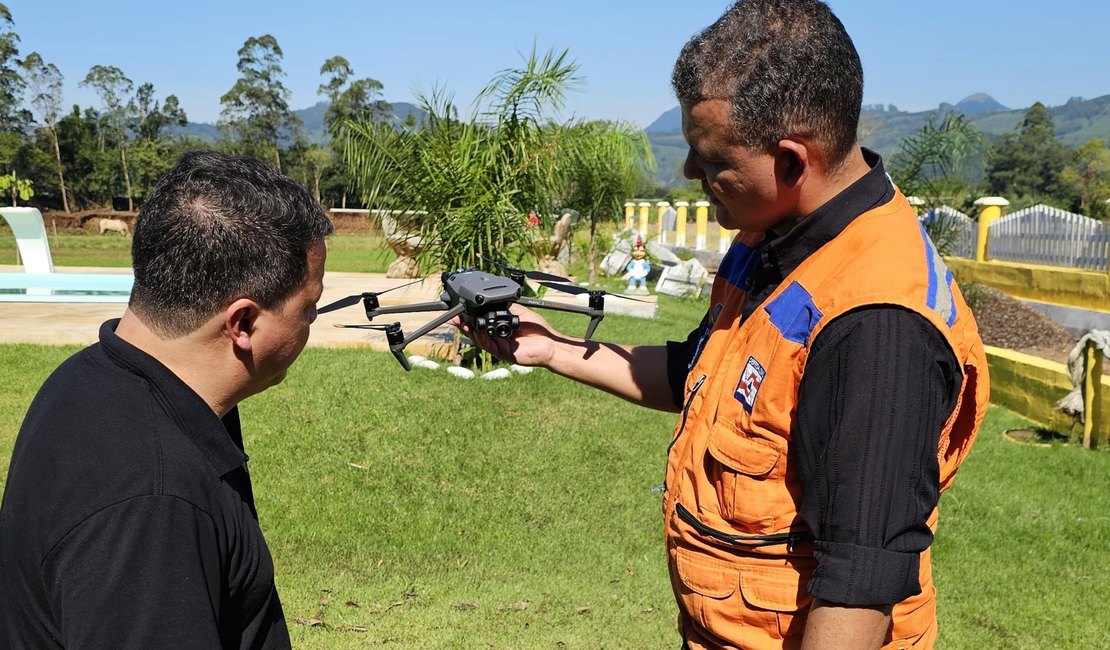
column 65, row 287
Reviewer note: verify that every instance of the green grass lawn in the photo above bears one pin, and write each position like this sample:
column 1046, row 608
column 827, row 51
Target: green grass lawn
column 415, row 510
column 351, row 253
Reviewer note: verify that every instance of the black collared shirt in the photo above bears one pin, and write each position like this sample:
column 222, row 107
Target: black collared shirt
column 878, row 387
column 128, row 519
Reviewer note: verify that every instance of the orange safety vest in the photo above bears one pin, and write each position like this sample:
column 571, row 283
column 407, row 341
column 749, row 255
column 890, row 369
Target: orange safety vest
column 740, row 555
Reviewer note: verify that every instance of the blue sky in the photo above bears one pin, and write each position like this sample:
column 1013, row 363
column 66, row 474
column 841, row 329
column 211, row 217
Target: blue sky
column 915, row 54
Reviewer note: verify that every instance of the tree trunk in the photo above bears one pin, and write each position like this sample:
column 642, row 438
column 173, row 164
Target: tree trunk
column 126, row 176
column 591, row 256
column 58, row 160
column 277, row 156
column 316, row 183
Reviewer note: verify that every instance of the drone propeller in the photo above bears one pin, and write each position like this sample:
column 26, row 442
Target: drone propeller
column 382, row 328
column 576, row 290
column 353, row 300
column 531, row 275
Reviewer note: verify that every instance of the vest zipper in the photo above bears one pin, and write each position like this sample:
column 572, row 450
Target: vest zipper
column 685, row 413
column 745, row 541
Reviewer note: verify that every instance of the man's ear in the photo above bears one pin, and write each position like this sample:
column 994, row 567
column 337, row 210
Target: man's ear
column 239, row 322
column 792, row 162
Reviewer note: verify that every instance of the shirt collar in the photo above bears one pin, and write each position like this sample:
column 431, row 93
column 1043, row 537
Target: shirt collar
column 826, row 222
column 220, row 441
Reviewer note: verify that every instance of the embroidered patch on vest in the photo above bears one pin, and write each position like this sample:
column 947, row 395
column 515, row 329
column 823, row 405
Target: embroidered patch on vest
column 750, row 381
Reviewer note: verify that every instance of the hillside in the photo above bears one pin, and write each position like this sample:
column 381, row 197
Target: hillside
column 882, row 127
column 312, row 117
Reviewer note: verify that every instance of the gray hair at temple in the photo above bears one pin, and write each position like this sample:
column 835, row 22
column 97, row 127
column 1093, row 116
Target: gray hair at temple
column 787, row 67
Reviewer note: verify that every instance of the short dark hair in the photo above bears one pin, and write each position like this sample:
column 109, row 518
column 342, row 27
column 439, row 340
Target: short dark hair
column 217, row 228
column 787, row 67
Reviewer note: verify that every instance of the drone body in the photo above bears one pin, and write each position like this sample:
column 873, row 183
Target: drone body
column 481, row 298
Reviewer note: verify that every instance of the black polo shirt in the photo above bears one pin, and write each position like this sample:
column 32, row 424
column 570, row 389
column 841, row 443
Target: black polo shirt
column 879, row 384
column 128, row 519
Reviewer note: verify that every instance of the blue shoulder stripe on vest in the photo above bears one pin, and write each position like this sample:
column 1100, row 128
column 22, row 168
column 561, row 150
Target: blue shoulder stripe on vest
column 940, row 297
column 736, row 265
column 793, row 313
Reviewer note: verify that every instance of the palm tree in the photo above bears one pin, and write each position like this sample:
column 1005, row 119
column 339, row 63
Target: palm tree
column 466, row 186
column 932, row 165
column 605, row 161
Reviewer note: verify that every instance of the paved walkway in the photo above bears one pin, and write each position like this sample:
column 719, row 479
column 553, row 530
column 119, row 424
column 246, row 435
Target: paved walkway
column 78, row 323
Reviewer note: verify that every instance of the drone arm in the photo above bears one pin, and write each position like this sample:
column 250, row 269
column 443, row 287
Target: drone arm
column 434, row 323
column 438, row 305
column 595, row 314
column 398, row 348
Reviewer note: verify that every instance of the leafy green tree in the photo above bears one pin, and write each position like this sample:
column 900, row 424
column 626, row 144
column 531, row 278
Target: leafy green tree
column 350, row 99
column 318, row 160
column 256, row 109
column 114, row 88
column 21, row 188
column 1090, row 174
column 467, row 186
column 12, row 116
column 152, row 118
column 358, row 99
column 88, row 154
column 1030, row 163
column 44, row 81
column 605, row 162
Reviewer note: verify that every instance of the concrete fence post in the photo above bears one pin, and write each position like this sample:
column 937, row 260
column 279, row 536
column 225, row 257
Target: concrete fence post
column 990, row 209
column 1092, row 396
column 645, row 207
column 680, row 223
column 629, row 213
column 724, row 240
column 702, row 225
column 662, row 209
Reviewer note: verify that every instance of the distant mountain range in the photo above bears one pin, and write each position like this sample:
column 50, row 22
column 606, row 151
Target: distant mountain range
column 882, row 127
column 312, row 117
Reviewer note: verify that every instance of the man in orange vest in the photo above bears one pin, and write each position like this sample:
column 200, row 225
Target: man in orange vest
column 837, row 380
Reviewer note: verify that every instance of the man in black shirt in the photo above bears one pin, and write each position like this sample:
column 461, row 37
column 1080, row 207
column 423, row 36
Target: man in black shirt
column 128, row 519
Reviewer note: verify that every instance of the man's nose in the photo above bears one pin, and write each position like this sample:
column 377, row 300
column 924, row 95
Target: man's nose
column 690, row 169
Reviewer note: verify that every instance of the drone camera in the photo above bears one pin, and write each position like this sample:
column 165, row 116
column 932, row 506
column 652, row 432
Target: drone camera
column 497, row 324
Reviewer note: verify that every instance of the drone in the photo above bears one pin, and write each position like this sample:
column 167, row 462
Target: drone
column 481, row 297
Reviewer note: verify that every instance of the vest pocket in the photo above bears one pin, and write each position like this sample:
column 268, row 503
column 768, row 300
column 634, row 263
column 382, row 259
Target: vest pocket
column 740, row 466
column 778, row 589
column 746, row 602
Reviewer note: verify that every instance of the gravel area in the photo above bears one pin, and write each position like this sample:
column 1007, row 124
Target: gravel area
column 1007, row 323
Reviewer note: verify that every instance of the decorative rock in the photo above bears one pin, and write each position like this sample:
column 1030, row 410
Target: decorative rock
column 500, row 373
column 688, row 278
column 416, row 358
column 521, row 370
column 460, row 372
column 426, row 364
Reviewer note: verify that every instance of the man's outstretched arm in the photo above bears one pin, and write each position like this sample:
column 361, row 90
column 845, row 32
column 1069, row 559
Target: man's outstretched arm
column 635, row 373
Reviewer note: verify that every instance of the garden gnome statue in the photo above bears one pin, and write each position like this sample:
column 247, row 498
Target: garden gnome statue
column 637, row 270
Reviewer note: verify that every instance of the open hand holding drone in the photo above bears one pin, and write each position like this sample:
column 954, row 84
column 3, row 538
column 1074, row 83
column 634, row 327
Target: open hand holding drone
column 481, row 298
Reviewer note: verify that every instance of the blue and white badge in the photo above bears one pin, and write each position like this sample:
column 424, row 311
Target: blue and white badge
column 750, row 381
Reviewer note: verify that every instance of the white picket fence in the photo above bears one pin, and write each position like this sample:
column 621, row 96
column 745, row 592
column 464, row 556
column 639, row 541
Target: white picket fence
column 953, row 231
column 1046, row 235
